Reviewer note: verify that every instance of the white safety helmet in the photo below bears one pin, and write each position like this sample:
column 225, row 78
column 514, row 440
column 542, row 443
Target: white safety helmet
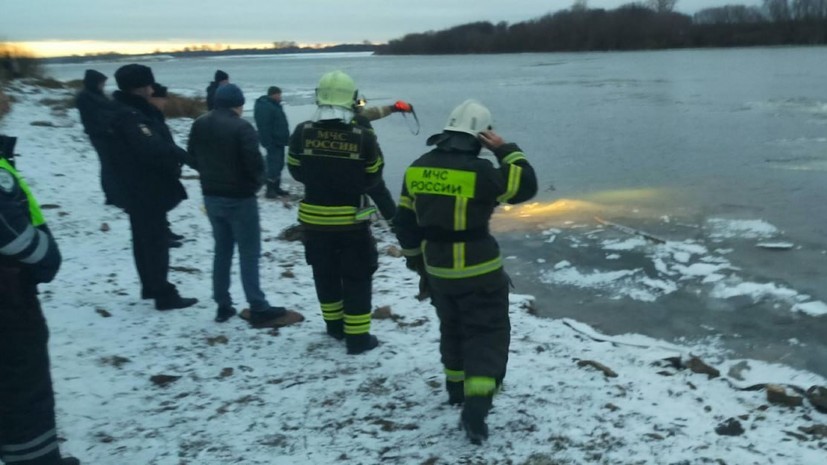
column 470, row 117
column 336, row 89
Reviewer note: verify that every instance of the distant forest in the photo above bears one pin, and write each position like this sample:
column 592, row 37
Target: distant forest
column 652, row 24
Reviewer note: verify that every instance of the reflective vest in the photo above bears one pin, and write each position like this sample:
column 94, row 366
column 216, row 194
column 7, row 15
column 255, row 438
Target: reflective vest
column 35, row 213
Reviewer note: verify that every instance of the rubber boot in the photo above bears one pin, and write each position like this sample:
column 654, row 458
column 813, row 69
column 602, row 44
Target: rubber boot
column 456, row 392
column 360, row 343
column 336, row 329
column 473, row 416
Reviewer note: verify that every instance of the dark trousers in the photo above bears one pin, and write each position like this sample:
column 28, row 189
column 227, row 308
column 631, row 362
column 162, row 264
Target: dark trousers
column 343, row 264
column 150, row 247
column 475, row 331
column 27, row 414
column 274, row 164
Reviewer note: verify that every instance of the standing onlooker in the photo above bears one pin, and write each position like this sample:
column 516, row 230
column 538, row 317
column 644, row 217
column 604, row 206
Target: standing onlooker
column 338, row 162
column 219, row 80
column 96, row 113
column 448, row 197
column 148, row 165
column 159, row 100
column 274, row 134
column 223, row 147
column 28, row 256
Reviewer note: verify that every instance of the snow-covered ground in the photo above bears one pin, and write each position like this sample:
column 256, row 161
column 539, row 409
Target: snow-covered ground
column 236, row 395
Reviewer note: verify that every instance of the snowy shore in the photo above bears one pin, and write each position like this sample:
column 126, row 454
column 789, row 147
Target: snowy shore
column 232, row 394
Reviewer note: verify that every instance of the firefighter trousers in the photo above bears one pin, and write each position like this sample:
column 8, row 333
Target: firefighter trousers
column 475, row 331
column 343, row 264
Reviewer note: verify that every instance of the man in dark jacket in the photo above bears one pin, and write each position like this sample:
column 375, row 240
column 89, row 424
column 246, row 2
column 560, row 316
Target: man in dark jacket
column 447, row 200
column 219, row 80
column 28, row 256
column 96, row 113
column 338, row 162
column 148, row 165
column 274, row 134
column 223, row 147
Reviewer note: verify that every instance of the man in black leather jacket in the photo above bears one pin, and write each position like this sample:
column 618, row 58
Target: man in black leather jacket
column 223, row 147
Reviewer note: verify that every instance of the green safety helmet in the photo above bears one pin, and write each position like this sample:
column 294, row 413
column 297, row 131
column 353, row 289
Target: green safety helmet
column 336, row 89
column 470, row 117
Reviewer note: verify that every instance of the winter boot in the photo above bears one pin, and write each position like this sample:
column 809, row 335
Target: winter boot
column 336, row 329
column 473, row 416
column 69, row 461
column 173, row 301
column 360, row 343
column 456, row 392
column 224, row 313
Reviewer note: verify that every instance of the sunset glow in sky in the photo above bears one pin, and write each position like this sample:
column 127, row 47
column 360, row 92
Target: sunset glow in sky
column 58, row 48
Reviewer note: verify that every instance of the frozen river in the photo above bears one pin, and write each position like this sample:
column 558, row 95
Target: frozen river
column 717, row 151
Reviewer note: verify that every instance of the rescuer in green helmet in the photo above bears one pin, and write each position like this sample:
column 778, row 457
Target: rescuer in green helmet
column 338, row 162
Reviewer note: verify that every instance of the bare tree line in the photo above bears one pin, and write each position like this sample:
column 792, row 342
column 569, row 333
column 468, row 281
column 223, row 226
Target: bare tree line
column 652, row 24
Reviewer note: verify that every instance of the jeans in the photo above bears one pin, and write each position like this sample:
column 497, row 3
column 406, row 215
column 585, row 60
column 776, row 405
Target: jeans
column 236, row 221
column 275, row 163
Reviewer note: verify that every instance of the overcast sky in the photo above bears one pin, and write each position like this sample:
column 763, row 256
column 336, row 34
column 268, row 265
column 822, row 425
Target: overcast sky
column 264, row 21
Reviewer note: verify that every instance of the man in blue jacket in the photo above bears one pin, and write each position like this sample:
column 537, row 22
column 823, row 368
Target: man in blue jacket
column 274, row 134
column 28, row 256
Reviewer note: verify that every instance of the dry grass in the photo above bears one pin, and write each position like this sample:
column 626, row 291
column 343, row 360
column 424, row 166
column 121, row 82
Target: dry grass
column 59, row 104
column 46, row 82
column 5, row 104
column 18, row 62
column 179, row 106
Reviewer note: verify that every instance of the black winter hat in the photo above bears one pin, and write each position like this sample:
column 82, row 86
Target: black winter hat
column 221, row 76
column 229, row 96
column 133, row 76
column 92, row 78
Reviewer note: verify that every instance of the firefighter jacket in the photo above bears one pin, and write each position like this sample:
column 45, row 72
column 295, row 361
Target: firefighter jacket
column 446, row 203
column 28, row 252
column 337, row 163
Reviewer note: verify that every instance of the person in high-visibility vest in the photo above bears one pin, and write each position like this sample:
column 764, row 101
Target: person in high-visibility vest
column 447, row 200
column 28, row 256
column 338, row 162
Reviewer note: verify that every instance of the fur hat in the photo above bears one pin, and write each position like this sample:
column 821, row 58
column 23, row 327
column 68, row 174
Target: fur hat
column 159, row 91
column 133, row 76
column 229, row 96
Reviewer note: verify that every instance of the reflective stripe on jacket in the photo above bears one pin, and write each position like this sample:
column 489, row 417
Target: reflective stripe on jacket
column 337, row 163
column 446, row 203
